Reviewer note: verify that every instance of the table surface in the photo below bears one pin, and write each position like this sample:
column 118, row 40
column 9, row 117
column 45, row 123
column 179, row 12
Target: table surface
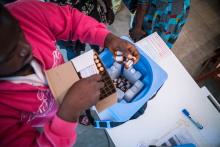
column 163, row 113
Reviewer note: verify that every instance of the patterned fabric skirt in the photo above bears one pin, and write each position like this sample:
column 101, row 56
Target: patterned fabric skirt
column 166, row 17
column 91, row 8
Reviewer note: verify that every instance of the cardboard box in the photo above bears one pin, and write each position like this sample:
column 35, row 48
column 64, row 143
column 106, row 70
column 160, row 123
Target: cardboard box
column 61, row 78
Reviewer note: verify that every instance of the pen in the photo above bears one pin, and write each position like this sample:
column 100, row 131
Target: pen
column 196, row 123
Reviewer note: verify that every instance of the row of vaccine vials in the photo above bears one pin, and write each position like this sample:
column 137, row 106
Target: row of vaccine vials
column 128, row 84
column 128, row 61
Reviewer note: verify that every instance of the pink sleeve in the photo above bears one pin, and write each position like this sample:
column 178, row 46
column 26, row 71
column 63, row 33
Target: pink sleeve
column 14, row 132
column 58, row 133
column 63, row 22
column 72, row 24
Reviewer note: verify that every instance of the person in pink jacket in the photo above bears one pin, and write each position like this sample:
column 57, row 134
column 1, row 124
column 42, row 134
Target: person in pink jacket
column 28, row 34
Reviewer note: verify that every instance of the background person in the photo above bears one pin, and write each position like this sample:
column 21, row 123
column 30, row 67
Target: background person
column 164, row 17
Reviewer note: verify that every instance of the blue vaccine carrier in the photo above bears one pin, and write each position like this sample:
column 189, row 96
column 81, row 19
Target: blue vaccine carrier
column 153, row 77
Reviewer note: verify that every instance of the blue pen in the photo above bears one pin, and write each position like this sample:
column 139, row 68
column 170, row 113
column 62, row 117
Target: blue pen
column 196, row 123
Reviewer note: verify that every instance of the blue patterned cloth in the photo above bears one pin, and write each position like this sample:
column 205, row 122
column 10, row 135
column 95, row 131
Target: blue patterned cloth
column 166, row 17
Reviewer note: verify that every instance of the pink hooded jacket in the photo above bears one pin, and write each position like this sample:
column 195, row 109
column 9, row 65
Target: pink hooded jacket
column 24, row 107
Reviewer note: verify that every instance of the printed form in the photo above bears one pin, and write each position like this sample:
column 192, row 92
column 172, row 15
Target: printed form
column 154, row 47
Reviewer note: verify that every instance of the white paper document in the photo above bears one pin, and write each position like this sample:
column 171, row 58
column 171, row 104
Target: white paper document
column 89, row 71
column 154, row 47
column 85, row 64
column 178, row 136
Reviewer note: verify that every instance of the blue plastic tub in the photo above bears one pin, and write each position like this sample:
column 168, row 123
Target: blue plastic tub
column 153, row 78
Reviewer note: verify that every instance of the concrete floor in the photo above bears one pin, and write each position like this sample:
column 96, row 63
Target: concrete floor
column 197, row 41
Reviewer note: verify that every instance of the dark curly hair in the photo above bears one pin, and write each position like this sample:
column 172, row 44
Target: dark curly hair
column 5, row 16
column 6, row 1
column 1, row 7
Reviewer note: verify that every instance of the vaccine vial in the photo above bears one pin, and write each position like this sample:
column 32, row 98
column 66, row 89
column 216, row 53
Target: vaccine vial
column 120, row 94
column 95, row 56
column 115, row 70
column 97, row 61
column 118, row 66
column 131, row 74
column 129, row 63
column 133, row 91
column 101, row 69
column 118, row 53
column 119, row 58
column 99, row 65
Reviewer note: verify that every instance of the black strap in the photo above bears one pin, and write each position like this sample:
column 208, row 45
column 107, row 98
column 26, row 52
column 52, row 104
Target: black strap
column 110, row 124
column 101, row 124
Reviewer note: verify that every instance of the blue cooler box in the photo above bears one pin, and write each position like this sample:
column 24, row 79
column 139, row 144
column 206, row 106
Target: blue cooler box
column 153, row 77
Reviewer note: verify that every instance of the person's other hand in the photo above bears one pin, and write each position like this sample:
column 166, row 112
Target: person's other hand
column 115, row 43
column 82, row 95
column 136, row 34
column 110, row 16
